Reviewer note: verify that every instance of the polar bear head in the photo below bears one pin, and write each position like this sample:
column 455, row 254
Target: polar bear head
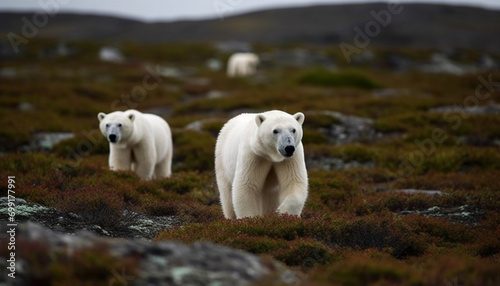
column 117, row 126
column 279, row 133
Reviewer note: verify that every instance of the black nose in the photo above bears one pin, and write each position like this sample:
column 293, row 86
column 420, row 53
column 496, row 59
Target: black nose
column 112, row 138
column 289, row 150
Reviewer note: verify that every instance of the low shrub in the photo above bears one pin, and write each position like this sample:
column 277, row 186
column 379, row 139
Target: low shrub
column 367, row 268
column 92, row 265
column 322, row 77
column 311, row 136
column 96, row 205
column 320, row 120
column 300, row 238
column 193, row 151
column 441, row 231
column 82, row 146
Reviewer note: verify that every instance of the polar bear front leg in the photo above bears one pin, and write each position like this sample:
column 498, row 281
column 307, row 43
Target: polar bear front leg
column 292, row 176
column 164, row 168
column 144, row 162
column 119, row 158
column 247, row 187
column 144, row 169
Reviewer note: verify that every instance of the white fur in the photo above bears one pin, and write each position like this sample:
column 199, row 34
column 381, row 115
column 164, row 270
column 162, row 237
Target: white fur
column 253, row 177
column 242, row 64
column 144, row 145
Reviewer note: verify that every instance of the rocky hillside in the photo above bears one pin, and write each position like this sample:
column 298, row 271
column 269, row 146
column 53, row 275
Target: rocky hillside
column 416, row 25
column 138, row 262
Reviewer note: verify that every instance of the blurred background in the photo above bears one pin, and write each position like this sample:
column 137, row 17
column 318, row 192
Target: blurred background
column 402, row 136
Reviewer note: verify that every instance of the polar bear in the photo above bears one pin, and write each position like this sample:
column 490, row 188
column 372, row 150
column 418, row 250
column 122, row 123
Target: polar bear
column 242, row 64
column 259, row 164
column 140, row 142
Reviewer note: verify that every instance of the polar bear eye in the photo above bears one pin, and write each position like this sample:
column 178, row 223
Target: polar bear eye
column 275, row 131
column 293, row 130
column 107, row 125
column 119, row 125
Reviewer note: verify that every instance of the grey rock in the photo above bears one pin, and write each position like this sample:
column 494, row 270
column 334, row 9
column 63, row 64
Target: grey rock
column 111, row 54
column 233, row 46
column 462, row 214
column 475, row 110
column 391, row 92
column 26, row 106
column 22, row 208
column 8, row 72
column 416, row 192
column 175, row 72
column 163, row 263
column 296, row 58
column 350, row 129
column 440, row 63
column 329, row 163
column 43, row 141
column 214, row 94
column 214, row 64
column 198, row 125
column 131, row 224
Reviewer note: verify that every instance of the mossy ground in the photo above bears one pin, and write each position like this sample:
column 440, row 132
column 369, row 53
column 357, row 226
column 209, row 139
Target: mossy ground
column 351, row 231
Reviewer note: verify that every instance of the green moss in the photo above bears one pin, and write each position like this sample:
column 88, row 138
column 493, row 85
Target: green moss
column 370, row 268
column 311, row 136
column 82, row 146
column 94, row 265
column 193, row 151
column 320, row 120
column 327, row 78
column 305, row 237
column 306, row 253
column 213, row 127
column 349, row 232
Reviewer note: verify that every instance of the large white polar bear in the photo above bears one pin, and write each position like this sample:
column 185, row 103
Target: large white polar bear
column 140, row 142
column 259, row 164
column 242, row 64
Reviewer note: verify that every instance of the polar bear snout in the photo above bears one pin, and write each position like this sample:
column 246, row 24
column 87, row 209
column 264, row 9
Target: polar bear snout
column 289, row 150
column 287, row 145
column 113, row 138
column 113, row 134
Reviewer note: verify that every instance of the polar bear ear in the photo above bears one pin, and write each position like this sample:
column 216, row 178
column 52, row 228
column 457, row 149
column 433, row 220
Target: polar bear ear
column 259, row 119
column 101, row 116
column 300, row 117
column 131, row 117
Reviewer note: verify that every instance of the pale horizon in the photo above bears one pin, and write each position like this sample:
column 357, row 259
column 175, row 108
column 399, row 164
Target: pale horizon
column 166, row 11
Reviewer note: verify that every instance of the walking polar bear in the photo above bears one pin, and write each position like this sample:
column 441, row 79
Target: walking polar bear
column 140, row 142
column 242, row 64
column 259, row 164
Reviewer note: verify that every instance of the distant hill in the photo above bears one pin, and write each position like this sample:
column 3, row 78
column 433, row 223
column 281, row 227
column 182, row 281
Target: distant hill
column 418, row 25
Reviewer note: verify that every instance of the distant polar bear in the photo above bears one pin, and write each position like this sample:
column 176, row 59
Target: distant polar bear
column 242, row 64
column 259, row 164
column 140, row 142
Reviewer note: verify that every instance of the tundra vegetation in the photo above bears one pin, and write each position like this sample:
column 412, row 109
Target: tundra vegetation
column 358, row 226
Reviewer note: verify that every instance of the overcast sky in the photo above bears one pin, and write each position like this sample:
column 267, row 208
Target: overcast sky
column 169, row 10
